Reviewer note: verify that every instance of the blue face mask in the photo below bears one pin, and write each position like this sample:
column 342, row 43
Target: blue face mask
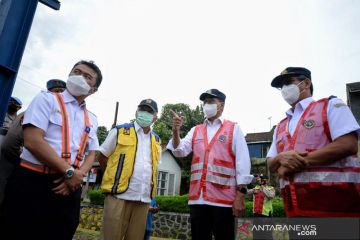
column 144, row 119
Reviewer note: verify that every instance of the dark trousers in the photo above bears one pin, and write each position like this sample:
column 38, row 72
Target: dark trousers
column 33, row 211
column 210, row 220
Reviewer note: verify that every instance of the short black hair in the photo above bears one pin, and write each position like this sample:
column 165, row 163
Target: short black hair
column 94, row 67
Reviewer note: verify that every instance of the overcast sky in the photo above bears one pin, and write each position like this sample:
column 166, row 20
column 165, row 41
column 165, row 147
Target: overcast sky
column 172, row 51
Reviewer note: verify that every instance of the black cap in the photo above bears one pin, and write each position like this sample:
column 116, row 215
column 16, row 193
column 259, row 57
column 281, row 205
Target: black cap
column 149, row 102
column 213, row 93
column 55, row 83
column 264, row 176
column 290, row 72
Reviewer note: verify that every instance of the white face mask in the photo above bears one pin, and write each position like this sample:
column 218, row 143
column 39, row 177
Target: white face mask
column 210, row 110
column 77, row 86
column 291, row 93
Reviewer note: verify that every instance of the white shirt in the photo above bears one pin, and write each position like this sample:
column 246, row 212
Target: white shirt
column 239, row 148
column 340, row 119
column 44, row 113
column 139, row 187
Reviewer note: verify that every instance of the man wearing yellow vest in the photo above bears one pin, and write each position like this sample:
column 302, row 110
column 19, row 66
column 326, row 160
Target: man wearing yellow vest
column 130, row 156
column 263, row 195
column 220, row 169
column 314, row 151
column 42, row 199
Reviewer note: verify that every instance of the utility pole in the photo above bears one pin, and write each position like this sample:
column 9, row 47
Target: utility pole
column 116, row 113
column 15, row 22
column 269, row 118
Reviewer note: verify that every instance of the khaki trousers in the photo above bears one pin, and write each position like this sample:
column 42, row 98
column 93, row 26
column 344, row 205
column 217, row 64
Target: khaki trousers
column 123, row 219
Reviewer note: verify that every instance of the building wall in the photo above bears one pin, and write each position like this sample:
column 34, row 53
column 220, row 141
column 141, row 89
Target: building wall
column 168, row 164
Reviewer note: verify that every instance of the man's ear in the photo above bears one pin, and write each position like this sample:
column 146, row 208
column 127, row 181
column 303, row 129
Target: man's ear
column 93, row 90
column 308, row 83
column 155, row 118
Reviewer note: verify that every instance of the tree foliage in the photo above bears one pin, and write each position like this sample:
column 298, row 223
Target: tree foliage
column 163, row 127
column 102, row 133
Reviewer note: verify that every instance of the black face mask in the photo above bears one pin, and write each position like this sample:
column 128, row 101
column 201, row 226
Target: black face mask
column 12, row 108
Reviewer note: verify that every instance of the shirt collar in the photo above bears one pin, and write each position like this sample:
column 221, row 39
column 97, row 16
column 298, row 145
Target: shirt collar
column 70, row 98
column 220, row 119
column 302, row 105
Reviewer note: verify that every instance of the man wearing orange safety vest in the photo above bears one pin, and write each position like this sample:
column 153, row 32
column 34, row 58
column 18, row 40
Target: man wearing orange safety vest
column 42, row 199
column 13, row 143
column 220, row 169
column 314, row 151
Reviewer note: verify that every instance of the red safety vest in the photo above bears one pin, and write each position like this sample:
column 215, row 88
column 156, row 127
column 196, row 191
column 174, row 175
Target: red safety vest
column 65, row 147
column 319, row 191
column 213, row 165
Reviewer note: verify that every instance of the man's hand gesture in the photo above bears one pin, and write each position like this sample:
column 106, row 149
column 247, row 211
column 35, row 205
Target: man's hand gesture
column 177, row 121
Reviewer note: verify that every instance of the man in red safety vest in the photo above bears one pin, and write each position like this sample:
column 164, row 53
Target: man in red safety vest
column 314, row 151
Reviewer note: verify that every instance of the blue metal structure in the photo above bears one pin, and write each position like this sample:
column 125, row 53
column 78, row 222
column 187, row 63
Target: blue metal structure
column 16, row 17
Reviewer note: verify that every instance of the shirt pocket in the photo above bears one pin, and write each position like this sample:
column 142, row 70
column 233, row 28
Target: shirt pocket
column 126, row 142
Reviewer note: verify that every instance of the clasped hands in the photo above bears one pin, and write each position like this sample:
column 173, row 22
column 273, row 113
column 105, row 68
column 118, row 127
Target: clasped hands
column 66, row 186
column 291, row 162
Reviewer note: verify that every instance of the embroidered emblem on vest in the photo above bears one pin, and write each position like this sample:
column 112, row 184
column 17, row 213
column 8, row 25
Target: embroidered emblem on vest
column 309, row 123
column 126, row 131
column 222, row 138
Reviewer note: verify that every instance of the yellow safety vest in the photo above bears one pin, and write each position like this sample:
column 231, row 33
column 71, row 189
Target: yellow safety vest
column 120, row 164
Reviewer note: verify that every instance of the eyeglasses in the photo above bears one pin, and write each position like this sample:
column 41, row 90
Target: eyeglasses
column 289, row 81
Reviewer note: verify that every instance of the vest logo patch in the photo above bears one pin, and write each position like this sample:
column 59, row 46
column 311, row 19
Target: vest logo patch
column 309, row 123
column 126, row 131
column 222, row 138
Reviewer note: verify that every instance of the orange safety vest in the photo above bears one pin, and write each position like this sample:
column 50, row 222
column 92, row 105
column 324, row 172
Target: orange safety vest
column 213, row 165
column 65, row 147
column 318, row 191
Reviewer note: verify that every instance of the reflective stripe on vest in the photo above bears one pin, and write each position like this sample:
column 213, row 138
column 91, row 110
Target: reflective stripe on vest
column 331, row 190
column 121, row 163
column 213, row 165
column 65, row 141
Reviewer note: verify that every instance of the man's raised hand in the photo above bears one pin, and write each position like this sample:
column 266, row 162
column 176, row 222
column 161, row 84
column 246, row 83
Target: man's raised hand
column 177, row 120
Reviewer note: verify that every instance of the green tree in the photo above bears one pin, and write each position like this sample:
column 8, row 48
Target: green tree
column 102, row 133
column 163, row 127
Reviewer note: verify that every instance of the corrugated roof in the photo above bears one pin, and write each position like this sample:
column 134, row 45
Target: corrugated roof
column 260, row 137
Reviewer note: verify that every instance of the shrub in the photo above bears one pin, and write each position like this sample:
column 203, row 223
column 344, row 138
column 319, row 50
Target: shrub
column 96, row 197
column 180, row 204
column 173, row 203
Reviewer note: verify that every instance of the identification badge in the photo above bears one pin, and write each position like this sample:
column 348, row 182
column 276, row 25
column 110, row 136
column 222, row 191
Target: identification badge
column 126, row 131
column 222, row 138
column 309, row 123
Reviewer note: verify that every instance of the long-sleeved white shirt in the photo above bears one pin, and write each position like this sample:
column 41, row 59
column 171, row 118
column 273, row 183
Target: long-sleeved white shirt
column 239, row 148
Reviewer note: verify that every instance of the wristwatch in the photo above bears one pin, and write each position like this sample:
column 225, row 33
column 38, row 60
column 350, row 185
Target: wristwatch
column 69, row 172
column 242, row 189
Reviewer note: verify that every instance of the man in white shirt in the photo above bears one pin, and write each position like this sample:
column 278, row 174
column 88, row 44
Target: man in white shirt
column 314, row 151
column 59, row 148
column 220, row 169
column 130, row 155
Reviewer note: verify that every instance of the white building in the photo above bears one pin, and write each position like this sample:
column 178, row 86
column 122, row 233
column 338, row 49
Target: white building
column 169, row 175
